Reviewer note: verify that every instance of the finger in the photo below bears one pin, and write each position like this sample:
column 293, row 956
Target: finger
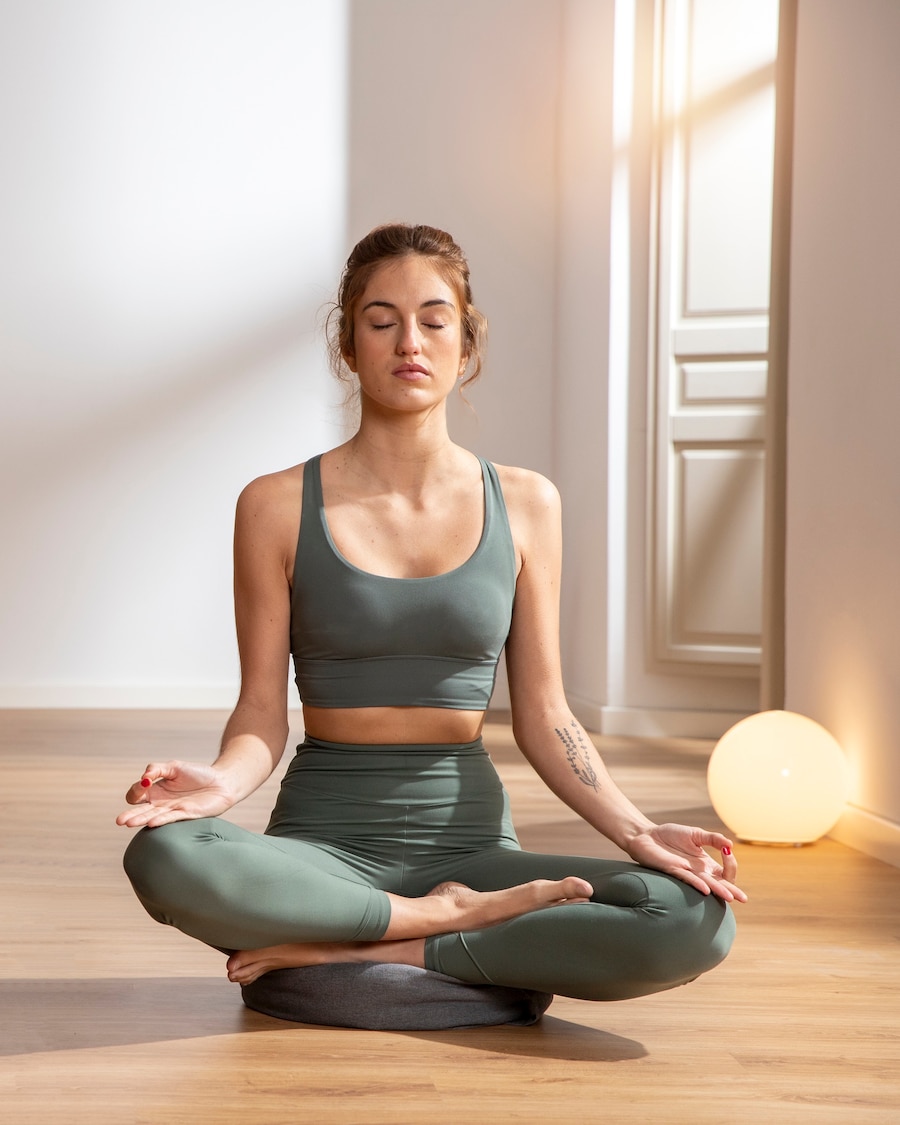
column 157, row 771
column 727, row 892
column 154, row 774
column 729, row 874
column 131, row 819
column 729, row 864
column 151, row 817
column 716, row 885
column 158, row 819
column 726, row 888
column 692, row 880
column 138, row 818
column 711, row 885
column 139, row 793
column 716, row 840
column 733, row 889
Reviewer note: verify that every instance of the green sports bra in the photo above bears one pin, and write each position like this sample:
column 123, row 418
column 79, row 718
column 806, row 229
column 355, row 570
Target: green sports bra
column 363, row 640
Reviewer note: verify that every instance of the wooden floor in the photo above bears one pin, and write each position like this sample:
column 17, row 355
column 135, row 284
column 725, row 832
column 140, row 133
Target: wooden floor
column 110, row 1018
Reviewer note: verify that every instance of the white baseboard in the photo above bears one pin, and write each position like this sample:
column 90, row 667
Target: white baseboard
column 868, row 833
column 645, row 722
column 624, row 721
column 114, row 697
column 588, row 713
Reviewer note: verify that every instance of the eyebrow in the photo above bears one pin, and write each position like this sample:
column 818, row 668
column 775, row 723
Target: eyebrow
column 424, row 305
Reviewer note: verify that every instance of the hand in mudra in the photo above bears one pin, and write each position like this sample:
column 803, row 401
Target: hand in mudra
column 679, row 850
column 170, row 791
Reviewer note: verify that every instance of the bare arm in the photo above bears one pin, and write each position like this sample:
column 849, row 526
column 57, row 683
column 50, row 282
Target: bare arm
column 549, row 735
column 264, row 533
column 546, row 731
column 255, row 734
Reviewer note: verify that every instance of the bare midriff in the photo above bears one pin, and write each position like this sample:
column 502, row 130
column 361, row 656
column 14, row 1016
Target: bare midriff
column 392, row 725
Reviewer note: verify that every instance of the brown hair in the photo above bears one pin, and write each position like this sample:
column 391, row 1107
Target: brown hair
column 391, row 242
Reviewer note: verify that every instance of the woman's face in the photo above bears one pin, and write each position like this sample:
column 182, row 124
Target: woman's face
column 407, row 336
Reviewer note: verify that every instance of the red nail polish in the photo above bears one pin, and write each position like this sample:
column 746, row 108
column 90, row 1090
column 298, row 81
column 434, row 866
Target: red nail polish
column 146, row 782
column 726, row 851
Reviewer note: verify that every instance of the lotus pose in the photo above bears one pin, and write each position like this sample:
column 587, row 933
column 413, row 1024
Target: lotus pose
column 396, row 568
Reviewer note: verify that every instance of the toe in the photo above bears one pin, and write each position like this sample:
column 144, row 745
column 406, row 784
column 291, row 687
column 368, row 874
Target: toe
column 574, row 888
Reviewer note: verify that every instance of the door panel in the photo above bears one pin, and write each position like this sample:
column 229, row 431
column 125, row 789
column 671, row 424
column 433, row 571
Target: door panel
column 717, row 561
column 713, row 196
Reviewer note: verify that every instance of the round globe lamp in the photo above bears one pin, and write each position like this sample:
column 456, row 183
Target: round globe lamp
column 778, row 778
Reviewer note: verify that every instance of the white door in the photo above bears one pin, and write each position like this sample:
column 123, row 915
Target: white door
column 715, row 120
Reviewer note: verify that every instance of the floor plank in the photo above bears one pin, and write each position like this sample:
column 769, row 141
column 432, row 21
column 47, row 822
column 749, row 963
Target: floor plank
column 109, row 1017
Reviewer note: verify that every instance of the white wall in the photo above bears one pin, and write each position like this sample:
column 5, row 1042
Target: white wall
column 581, row 447
column 453, row 111
column 843, row 512
column 172, row 214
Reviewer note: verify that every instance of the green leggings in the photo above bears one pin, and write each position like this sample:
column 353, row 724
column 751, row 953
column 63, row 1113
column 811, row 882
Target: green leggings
column 353, row 822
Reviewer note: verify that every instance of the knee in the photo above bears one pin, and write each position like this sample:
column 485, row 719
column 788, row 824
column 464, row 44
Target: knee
column 693, row 933
column 154, row 855
column 138, row 858
column 686, row 934
column 146, row 848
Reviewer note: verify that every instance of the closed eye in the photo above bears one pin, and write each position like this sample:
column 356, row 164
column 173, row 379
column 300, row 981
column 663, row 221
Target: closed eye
column 393, row 324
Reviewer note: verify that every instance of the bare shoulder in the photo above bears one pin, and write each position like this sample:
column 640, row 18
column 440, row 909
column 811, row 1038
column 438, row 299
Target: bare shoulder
column 268, row 512
column 528, row 494
column 534, row 509
column 266, row 494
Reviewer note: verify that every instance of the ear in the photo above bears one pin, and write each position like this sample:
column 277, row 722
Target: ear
column 350, row 359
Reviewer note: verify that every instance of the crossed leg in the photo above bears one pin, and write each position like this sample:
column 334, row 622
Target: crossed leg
column 282, row 903
column 449, row 908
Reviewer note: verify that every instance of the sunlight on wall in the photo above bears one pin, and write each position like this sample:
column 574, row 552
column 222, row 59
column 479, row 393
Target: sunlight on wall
column 843, row 484
column 174, row 222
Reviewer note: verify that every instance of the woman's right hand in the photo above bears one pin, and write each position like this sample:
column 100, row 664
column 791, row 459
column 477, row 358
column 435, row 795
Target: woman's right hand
column 169, row 791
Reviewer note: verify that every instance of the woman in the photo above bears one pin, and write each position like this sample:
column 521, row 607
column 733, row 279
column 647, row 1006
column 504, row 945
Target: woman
column 413, row 565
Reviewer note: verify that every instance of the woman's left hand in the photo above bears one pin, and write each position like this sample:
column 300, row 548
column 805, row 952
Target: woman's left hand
column 679, row 851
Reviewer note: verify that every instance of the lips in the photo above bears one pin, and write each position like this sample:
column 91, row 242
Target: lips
column 409, row 370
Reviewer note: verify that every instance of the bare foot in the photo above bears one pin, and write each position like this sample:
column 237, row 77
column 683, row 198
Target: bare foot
column 247, row 965
column 478, row 909
column 448, row 908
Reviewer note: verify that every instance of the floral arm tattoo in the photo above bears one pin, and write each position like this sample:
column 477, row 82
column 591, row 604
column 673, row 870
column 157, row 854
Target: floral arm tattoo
column 577, row 753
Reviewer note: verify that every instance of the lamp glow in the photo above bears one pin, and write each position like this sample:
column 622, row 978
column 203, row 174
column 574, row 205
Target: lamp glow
column 778, row 778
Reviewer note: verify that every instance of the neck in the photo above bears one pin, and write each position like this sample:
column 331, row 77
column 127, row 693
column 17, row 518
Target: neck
column 403, row 453
column 402, row 438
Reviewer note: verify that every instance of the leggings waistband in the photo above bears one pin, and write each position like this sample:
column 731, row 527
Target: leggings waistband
column 435, row 749
column 357, row 790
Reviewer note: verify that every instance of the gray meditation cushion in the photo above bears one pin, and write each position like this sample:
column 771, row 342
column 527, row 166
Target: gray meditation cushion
column 382, row 997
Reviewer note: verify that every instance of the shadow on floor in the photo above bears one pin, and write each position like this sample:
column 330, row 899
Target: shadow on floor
column 551, row 1038
column 67, row 1015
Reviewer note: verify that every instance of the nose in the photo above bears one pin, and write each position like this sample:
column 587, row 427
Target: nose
column 409, row 341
